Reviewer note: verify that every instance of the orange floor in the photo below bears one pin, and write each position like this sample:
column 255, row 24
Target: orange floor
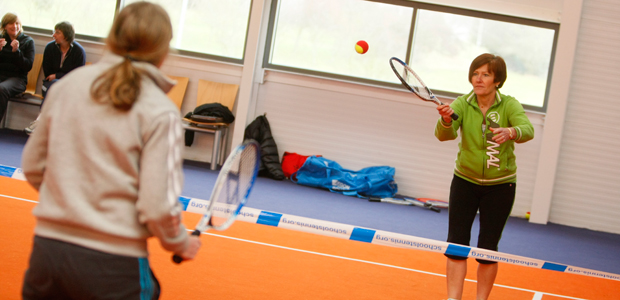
column 250, row 261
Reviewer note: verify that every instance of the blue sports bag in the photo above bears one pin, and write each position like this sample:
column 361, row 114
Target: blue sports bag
column 368, row 182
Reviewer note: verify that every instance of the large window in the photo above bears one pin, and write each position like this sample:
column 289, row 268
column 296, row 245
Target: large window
column 212, row 27
column 318, row 37
column 92, row 18
column 445, row 44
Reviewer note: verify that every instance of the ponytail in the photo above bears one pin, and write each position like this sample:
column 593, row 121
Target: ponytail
column 120, row 85
column 141, row 32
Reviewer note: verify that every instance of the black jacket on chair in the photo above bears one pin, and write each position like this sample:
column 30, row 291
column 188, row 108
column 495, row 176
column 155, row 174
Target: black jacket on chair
column 212, row 110
column 260, row 131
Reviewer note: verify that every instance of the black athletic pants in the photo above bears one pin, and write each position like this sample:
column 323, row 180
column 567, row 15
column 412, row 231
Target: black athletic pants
column 494, row 203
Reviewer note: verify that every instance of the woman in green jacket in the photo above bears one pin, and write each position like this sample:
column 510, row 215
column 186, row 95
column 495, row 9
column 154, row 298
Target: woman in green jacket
column 485, row 172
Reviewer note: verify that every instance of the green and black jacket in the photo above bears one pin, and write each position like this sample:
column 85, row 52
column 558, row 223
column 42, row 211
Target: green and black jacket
column 481, row 160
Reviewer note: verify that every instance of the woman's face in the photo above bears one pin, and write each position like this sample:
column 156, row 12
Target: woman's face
column 59, row 37
column 483, row 81
column 13, row 29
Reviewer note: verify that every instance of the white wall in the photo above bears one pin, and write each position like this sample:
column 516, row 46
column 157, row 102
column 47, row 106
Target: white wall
column 359, row 125
column 586, row 190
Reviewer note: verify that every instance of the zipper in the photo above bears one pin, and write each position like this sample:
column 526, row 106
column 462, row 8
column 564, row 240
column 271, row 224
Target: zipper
column 484, row 141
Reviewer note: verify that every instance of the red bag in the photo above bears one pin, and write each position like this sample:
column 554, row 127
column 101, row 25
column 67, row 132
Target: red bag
column 291, row 162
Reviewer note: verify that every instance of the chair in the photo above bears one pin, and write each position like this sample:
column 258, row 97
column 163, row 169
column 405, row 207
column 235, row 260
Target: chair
column 213, row 92
column 177, row 93
column 29, row 96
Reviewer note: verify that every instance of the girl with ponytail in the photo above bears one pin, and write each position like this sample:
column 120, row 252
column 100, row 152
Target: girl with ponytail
column 106, row 159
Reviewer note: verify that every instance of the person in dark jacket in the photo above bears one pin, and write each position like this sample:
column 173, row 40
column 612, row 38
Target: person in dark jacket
column 16, row 58
column 61, row 56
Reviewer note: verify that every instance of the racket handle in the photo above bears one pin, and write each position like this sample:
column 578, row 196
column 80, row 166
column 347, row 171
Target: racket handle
column 177, row 259
column 435, row 209
column 454, row 116
column 374, row 199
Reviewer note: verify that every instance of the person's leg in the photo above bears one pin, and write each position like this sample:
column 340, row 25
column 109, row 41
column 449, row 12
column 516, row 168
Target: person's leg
column 456, row 270
column 9, row 87
column 39, row 280
column 44, row 88
column 486, row 279
column 495, row 207
column 462, row 213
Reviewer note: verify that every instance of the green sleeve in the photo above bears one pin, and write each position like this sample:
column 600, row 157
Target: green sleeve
column 449, row 131
column 520, row 122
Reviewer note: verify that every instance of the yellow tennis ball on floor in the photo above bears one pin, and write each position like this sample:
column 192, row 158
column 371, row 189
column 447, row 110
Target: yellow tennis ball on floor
column 527, row 215
column 361, row 47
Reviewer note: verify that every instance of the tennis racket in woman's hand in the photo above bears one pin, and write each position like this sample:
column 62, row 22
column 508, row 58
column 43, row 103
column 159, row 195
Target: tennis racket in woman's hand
column 231, row 190
column 414, row 83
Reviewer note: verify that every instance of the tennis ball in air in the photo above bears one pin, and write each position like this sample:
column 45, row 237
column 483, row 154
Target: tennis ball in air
column 527, row 215
column 361, row 47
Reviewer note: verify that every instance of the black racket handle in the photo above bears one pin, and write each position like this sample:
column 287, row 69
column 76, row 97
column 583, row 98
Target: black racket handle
column 435, row 209
column 454, row 116
column 374, row 199
column 178, row 259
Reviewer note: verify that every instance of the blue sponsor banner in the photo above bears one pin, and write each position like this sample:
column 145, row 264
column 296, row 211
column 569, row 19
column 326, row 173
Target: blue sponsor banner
column 7, row 171
column 362, row 235
column 458, row 250
column 269, row 218
column 185, row 201
column 554, row 267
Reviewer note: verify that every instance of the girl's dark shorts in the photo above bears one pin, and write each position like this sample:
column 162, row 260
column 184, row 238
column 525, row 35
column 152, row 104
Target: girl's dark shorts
column 59, row 270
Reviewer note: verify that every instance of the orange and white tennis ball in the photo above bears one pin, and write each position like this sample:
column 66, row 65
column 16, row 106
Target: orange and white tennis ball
column 361, row 47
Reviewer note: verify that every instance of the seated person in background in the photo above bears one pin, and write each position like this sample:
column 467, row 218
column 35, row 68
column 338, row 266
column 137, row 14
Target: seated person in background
column 16, row 58
column 61, row 56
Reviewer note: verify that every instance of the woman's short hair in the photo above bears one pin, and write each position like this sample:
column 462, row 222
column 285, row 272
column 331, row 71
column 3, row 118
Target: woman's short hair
column 67, row 30
column 141, row 32
column 497, row 66
column 10, row 18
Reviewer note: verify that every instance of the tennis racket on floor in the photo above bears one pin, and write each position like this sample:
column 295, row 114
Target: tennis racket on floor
column 405, row 201
column 433, row 202
column 414, row 83
column 231, row 191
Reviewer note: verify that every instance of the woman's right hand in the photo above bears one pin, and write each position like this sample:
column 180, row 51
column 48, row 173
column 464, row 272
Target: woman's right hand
column 2, row 43
column 446, row 112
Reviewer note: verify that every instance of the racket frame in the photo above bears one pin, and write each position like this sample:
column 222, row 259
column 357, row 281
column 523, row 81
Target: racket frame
column 405, row 201
column 205, row 223
column 430, row 98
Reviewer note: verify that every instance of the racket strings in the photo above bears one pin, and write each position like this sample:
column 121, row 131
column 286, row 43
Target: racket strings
column 410, row 79
column 238, row 180
column 416, row 83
